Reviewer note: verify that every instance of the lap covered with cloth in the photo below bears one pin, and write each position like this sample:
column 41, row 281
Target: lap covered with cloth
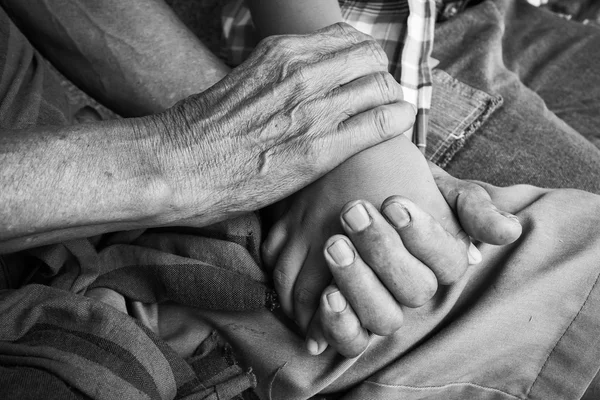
column 523, row 324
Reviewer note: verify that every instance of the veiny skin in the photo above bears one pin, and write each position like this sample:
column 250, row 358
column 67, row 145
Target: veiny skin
column 285, row 117
column 289, row 114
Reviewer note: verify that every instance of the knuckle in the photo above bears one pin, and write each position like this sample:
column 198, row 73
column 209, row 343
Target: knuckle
column 376, row 51
column 278, row 48
column 472, row 192
column 267, row 45
column 350, row 35
column 386, row 326
column 299, row 77
column 347, row 31
column 345, row 336
column 285, row 41
column 383, row 121
column 387, row 86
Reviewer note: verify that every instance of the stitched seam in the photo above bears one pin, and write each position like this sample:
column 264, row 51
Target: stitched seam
column 563, row 334
column 462, row 128
column 447, row 385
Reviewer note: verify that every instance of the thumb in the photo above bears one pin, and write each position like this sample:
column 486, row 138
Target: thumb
column 372, row 127
column 477, row 214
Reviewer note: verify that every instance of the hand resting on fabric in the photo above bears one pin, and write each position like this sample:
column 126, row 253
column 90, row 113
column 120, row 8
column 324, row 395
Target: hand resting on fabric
column 404, row 268
column 356, row 276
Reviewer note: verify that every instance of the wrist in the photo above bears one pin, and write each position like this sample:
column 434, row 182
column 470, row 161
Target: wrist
column 94, row 178
column 181, row 180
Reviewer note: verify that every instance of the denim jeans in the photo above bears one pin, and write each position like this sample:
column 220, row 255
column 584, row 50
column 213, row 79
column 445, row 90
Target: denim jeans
column 545, row 70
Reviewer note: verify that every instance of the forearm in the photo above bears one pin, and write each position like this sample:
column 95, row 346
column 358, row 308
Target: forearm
column 278, row 17
column 62, row 183
column 135, row 56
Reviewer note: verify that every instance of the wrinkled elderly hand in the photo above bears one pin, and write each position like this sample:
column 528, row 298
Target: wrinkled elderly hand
column 373, row 277
column 293, row 111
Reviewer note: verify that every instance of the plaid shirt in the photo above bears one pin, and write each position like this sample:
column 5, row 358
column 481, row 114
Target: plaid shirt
column 404, row 28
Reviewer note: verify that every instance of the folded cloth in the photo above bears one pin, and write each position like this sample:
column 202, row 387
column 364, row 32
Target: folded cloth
column 67, row 323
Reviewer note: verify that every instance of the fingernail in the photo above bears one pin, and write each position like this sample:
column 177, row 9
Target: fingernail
column 341, row 253
column 312, row 346
column 474, row 255
column 397, row 215
column 336, row 301
column 357, row 218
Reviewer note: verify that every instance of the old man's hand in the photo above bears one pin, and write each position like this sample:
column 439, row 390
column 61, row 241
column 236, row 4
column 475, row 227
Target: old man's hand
column 374, row 278
column 297, row 108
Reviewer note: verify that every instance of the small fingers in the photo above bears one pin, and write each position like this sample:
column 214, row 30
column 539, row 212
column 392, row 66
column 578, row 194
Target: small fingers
column 287, row 268
column 273, row 244
column 312, row 279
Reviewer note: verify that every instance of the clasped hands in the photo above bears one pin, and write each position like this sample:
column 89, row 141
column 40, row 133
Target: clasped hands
column 395, row 258
column 291, row 113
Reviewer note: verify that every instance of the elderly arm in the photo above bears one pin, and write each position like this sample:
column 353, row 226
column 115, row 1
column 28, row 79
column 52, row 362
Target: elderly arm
column 134, row 56
column 60, row 183
column 233, row 148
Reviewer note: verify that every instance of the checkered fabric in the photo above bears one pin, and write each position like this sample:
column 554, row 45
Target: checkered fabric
column 404, row 28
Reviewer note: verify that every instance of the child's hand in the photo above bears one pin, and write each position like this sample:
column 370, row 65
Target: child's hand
column 293, row 248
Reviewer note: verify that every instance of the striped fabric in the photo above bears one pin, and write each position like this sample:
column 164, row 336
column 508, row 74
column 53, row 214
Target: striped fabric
column 404, row 30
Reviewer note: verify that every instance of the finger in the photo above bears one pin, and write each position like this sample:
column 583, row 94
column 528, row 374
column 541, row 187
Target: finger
column 365, row 93
column 287, row 268
column 274, row 243
column 311, row 281
column 338, row 35
column 445, row 254
column 315, row 67
column 340, row 325
column 371, row 127
column 376, row 308
column 341, row 67
column 409, row 280
column 316, row 343
column 477, row 214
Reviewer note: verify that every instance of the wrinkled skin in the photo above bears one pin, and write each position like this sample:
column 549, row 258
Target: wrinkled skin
column 279, row 121
column 341, row 304
column 402, row 264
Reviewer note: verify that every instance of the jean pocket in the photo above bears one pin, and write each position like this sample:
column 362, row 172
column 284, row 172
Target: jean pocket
column 457, row 112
